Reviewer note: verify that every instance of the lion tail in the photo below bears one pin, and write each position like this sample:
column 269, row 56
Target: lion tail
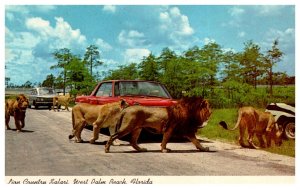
column 119, row 122
column 225, row 126
column 73, row 120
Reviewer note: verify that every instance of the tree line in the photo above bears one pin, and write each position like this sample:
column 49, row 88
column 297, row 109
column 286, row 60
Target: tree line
column 227, row 78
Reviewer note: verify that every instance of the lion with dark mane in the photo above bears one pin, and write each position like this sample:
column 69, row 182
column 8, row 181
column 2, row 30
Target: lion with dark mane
column 182, row 119
column 17, row 108
column 256, row 123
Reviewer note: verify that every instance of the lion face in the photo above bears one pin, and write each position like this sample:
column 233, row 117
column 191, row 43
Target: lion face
column 204, row 113
column 22, row 102
column 277, row 134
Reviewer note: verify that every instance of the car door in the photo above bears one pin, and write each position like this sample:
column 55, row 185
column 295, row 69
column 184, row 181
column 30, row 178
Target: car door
column 104, row 94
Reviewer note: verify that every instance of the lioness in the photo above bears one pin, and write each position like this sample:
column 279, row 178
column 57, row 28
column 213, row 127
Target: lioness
column 184, row 118
column 17, row 108
column 62, row 100
column 256, row 123
column 100, row 116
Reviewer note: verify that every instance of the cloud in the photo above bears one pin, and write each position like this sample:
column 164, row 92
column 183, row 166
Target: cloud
column 62, row 35
column 176, row 29
column 132, row 38
column 109, row 8
column 208, row 40
column 269, row 10
column 31, row 50
column 103, row 46
column 135, row 55
column 241, row 34
column 176, row 23
column 236, row 11
column 286, row 39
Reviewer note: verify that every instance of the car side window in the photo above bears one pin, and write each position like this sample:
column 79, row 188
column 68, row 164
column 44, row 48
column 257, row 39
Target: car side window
column 105, row 90
column 34, row 92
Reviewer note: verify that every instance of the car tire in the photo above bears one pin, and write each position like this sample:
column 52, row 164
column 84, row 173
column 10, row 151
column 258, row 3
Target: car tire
column 289, row 130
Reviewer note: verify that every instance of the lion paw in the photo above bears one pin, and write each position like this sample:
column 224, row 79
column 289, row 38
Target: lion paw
column 116, row 143
column 143, row 150
column 166, row 150
column 79, row 141
column 106, row 150
column 92, row 141
column 204, row 149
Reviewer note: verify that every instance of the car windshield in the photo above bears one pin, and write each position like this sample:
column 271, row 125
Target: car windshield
column 141, row 88
column 45, row 91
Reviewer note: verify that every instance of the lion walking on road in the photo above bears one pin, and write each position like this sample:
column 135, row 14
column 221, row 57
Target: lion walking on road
column 184, row 119
column 99, row 116
column 17, row 108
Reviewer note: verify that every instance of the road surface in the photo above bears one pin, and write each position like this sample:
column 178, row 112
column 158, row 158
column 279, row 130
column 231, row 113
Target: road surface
column 43, row 149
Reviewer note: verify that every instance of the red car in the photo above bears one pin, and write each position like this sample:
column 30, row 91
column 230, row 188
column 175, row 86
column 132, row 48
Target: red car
column 134, row 92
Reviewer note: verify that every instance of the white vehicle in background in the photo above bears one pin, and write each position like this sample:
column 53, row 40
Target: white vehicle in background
column 285, row 116
column 41, row 97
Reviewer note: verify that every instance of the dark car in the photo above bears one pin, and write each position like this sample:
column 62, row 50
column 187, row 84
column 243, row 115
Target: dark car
column 135, row 92
column 41, row 97
column 285, row 116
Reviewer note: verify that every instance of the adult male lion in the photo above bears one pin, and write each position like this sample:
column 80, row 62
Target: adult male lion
column 62, row 100
column 100, row 116
column 256, row 123
column 17, row 108
column 184, row 118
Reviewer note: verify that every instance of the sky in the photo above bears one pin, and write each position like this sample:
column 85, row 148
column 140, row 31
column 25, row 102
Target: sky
column 126, row 33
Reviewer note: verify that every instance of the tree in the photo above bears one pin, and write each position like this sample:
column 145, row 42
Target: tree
column 252, row 63
column 128, row 72
column 27, row 84
column 91, row 57
column 63, row 57
column 273, row 56
column 210, row 57
column 49, row 81
column 231, row 70
column 149, row 68
column 166, row 56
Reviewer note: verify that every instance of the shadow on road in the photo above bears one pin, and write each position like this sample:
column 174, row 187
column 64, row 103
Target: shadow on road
column 172, row 151
column 23, row 130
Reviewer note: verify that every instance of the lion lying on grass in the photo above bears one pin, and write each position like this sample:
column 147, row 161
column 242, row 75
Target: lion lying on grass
column 182, row 119
column 256, row 123
column 100, row 116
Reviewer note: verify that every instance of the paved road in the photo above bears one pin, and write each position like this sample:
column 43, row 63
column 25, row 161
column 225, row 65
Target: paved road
column 44, row 149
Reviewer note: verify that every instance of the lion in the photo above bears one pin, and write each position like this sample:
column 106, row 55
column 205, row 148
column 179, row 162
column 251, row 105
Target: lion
column 182, row 119
column 256, row 123
column 62, row 100
column 17, row 108
column 99, row 116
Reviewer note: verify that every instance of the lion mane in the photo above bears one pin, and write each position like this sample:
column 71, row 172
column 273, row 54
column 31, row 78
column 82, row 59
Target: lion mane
column 16, row 108
column 183, row 119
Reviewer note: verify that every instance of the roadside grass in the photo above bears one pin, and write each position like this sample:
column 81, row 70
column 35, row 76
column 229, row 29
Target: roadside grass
column 214, row 131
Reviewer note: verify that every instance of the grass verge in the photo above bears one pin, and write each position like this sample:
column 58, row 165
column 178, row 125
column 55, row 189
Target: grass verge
column 216, row 132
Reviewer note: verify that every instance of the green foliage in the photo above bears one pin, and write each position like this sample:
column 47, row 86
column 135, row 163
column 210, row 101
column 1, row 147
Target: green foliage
column 195, row 73
column 227, row 78
column 92, row 58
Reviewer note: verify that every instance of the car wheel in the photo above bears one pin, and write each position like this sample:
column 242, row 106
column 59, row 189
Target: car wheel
column 289, row 130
